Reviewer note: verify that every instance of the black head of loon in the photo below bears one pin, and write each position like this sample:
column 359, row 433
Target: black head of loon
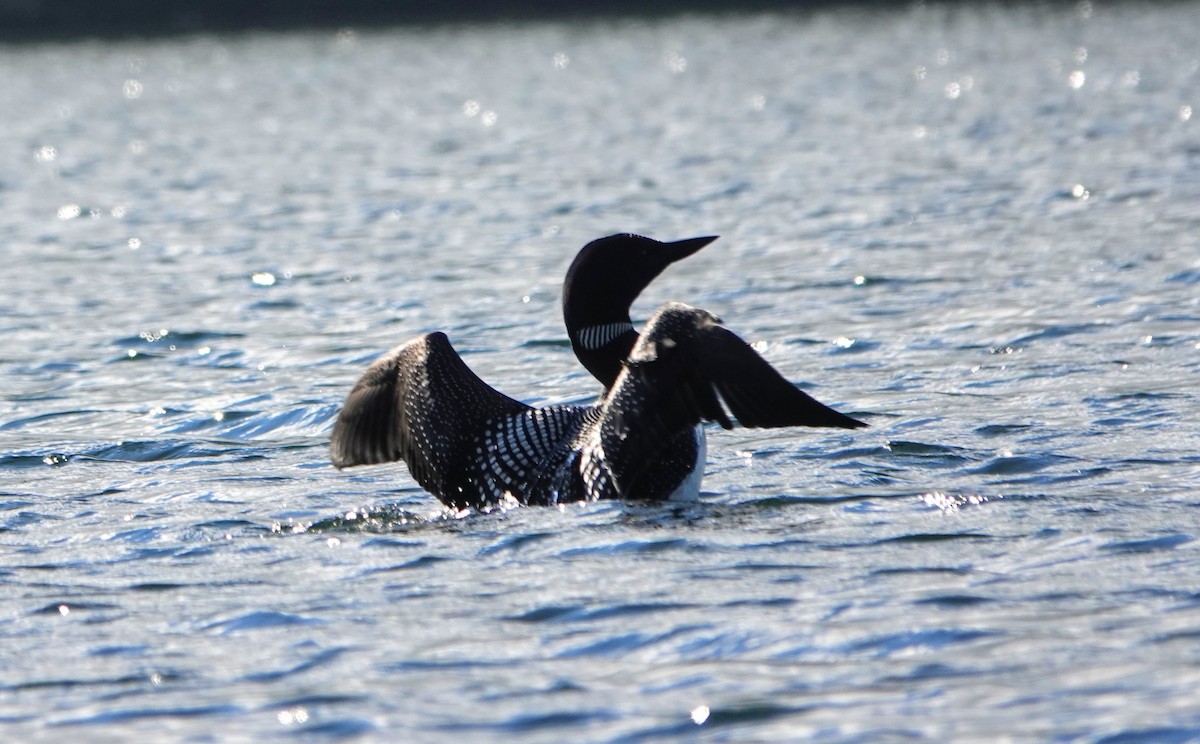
column 601, row 284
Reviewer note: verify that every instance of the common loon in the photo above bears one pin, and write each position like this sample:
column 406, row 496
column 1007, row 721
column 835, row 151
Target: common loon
column 472, row 446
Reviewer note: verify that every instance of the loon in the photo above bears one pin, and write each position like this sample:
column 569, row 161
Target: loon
column 472, row 446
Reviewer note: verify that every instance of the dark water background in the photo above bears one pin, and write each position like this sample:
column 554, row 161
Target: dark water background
column 40, row 20
column 978, row 227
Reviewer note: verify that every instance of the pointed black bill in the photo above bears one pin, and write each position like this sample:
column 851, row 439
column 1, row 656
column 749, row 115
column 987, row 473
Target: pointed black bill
column 680, row 249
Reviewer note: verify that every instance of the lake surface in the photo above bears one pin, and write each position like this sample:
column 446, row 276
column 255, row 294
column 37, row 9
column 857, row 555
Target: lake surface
column 975, row 227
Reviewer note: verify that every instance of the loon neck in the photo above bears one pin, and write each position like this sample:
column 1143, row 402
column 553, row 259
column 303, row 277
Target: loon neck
column 602, row 348
column 602, row 282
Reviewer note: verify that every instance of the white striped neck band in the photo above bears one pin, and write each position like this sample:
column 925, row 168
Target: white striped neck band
column 594, row 337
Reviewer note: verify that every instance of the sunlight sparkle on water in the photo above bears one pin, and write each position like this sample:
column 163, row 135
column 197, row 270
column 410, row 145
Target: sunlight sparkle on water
column 675, row 61
column 1029, row 457
column 292, row 716
column 949, row 502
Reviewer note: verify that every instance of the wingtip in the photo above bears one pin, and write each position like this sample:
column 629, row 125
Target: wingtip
column 338, row 457
column 829, row 418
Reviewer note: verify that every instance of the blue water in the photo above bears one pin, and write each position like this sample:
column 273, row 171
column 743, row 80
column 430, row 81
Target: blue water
column 977, row 228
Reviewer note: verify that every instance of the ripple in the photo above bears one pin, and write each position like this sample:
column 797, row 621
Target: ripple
column 529, row 723
column 636, row 547
column 929, row 455
column 66, row 608
column 110, row 718
column 516, row 543
column 1191, row 276
column 932, row 537
column 546, row 343
column 220, row 420
column 340, row 728
column 938, row 672
column 578, row 613
column 154, row 587
column 890, row 644
column 895, row 584
column 261, row 620
column 138, row 650
column 137, row 535
column 902, row 447
column 1021, row 464
column 953, row 601
column 997, row 430
column 1150, row 545
column 1154, row 735
column 549, row 614
column 299, row 420
column 623, row 644
column 425, row 561
column 317, row 660
column 747, row 713
column 1055, row 332
column 156, row 450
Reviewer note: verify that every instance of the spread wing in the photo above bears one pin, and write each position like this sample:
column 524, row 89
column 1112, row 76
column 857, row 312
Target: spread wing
column 684, row 367
column 420, row 403
column 757, row 395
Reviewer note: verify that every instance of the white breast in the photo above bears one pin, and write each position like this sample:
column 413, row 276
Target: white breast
column 689, row 488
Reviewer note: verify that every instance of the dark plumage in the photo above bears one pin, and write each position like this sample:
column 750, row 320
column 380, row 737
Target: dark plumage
column 601, row 284
column 471, row 446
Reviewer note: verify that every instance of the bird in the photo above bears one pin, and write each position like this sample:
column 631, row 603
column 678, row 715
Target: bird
column 472, row 446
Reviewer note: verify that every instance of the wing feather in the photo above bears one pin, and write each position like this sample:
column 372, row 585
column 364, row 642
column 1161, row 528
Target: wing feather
column 757, row 395
column 422, row 404
column 684, row 365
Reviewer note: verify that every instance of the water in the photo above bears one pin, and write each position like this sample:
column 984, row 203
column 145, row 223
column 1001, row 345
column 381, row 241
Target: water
column 976, row 227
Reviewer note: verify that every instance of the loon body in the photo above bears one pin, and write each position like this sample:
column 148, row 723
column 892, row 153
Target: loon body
column 472, row 446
